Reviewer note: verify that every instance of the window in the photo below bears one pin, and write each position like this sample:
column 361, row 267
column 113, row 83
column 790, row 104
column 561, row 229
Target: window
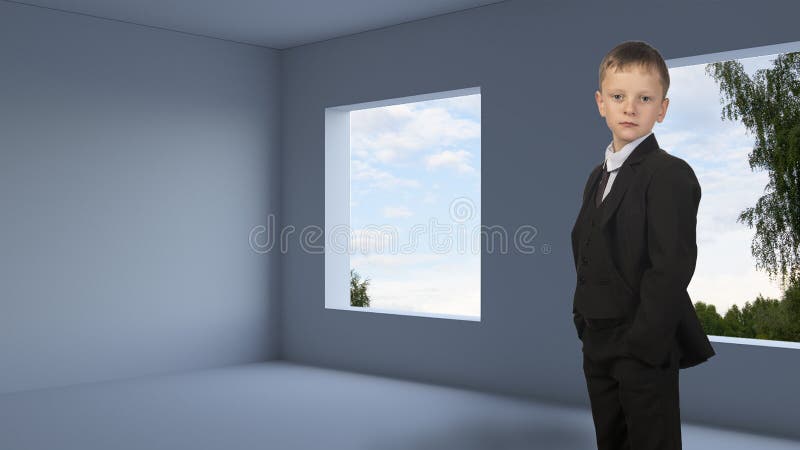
column 736, row 298
column 402, row 205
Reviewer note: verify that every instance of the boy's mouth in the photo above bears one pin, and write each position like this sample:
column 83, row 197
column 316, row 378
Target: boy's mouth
column 629, row 124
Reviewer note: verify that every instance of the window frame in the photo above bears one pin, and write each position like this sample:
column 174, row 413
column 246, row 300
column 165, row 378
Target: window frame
column 337, row 202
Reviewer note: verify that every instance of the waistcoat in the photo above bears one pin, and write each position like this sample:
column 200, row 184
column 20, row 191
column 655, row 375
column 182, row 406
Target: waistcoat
column 600, row 291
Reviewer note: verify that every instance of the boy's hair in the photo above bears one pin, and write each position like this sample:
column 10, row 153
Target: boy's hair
column 635, row 53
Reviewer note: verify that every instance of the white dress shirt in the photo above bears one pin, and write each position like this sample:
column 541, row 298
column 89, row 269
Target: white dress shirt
column 614, row 159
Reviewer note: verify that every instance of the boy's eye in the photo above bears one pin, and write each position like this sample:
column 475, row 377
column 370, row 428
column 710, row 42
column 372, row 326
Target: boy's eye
column 646, row 98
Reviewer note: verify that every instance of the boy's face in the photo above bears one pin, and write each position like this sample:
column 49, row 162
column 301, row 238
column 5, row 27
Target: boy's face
column 633, row 96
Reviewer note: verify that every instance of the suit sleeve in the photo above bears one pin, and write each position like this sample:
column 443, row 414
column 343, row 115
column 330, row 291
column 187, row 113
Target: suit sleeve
column 579, row 323
column 576, row 316
column 672, row 200
column 585, row 193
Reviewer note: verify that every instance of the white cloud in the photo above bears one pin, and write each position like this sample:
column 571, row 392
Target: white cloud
column 429, row 198
column 451, row 286
column 373, row 261
column 393, row 134
column 376, row 178
column 396, row 211
column 457, row 160
column 469, row 105
column 376, row 239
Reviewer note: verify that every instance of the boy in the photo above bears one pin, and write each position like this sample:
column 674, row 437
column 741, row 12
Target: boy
column 635, row 251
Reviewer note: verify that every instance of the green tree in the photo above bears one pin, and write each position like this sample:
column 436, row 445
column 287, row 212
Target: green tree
column 769, row 106
column 358, row 290
column 768, row 320
column 735, row 323
column 711, row 321
column 791, row 304
column 764, row 318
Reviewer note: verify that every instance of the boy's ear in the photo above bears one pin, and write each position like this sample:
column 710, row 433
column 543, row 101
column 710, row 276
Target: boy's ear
column 664, row 106
column 601, row 107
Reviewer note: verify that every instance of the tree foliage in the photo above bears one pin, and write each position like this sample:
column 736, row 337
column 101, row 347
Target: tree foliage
column 769, row 106
column 358, row 290
column 764, row 318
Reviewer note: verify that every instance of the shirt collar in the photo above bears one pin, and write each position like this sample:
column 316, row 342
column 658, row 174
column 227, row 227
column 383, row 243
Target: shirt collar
column 615, row 159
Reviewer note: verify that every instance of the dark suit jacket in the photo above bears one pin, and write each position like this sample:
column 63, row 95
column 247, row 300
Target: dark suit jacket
column 648, row 224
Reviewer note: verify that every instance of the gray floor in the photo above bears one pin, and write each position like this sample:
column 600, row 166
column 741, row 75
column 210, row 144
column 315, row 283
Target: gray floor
column 284, row 406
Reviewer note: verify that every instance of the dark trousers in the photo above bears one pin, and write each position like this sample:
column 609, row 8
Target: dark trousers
column 635, row 406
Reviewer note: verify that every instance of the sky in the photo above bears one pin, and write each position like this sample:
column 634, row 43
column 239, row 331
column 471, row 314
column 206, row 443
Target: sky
column 717, row 150
column 419, row 164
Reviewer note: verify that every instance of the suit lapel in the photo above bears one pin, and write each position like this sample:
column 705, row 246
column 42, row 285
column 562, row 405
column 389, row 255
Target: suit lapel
column 589, row 195
column 621, row 184
column 624, row 178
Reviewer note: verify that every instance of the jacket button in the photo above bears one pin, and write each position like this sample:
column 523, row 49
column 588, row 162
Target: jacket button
column 581, row 279
column 586, row 243
column 585, row 261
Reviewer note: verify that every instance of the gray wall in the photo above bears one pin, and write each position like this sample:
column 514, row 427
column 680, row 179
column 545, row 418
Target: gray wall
column 541, row 135
column 133, row 164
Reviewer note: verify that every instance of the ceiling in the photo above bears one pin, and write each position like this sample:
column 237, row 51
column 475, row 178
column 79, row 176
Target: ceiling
column 277, row 24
